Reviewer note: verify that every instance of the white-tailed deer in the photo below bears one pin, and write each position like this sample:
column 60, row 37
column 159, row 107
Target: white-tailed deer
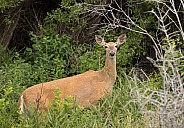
column 87, row 88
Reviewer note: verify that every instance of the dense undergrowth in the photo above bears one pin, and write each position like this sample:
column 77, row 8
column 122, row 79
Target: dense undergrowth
column 53, row 57
column 116, row 110
column 155, row 101
column 128, row 105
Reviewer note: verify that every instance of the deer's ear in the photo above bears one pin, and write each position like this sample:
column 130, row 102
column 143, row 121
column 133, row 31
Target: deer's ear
column 100, row 40
column 121, row 39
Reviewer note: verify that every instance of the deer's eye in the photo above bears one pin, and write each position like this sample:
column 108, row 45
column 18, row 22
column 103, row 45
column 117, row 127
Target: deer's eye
column 106, row 46
column 116, row 46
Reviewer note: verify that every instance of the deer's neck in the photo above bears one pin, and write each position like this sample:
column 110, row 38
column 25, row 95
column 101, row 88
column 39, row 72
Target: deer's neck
column 109, row 70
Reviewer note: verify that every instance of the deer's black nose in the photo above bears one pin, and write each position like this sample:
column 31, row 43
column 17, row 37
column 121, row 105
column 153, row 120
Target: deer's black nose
column 111, row 53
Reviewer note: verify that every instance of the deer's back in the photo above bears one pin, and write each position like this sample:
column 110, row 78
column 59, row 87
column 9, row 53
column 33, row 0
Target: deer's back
column 86, row 87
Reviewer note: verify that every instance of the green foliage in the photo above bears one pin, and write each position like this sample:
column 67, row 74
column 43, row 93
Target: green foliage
column 5, row 4
column 54, row 56
column 140, row 14
column 172, row 53
column 10, row 88
column 155, row 82
column 5, row 56
column 68, row 15
column 16, row 74
column 1, row 54
column 3, row 101
column 14, row 78
column 130, row 51
column 5, row 105
column 93, row 60
column 49, row 54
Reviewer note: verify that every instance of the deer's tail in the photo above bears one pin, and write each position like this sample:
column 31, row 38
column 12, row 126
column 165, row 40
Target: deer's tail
column 22, row 106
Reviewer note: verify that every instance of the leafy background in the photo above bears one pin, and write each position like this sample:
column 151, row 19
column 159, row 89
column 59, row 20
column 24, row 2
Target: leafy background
column 55, row 39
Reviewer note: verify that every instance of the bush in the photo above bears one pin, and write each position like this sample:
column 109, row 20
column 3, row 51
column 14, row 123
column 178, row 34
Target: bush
column 4, row 4
column 13, row 80
column 50, row 55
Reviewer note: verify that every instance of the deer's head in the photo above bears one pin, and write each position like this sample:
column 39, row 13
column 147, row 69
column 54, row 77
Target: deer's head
column 110, row 47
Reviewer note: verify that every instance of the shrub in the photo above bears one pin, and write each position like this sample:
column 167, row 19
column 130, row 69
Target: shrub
column 14, row 78
column 50, row 54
